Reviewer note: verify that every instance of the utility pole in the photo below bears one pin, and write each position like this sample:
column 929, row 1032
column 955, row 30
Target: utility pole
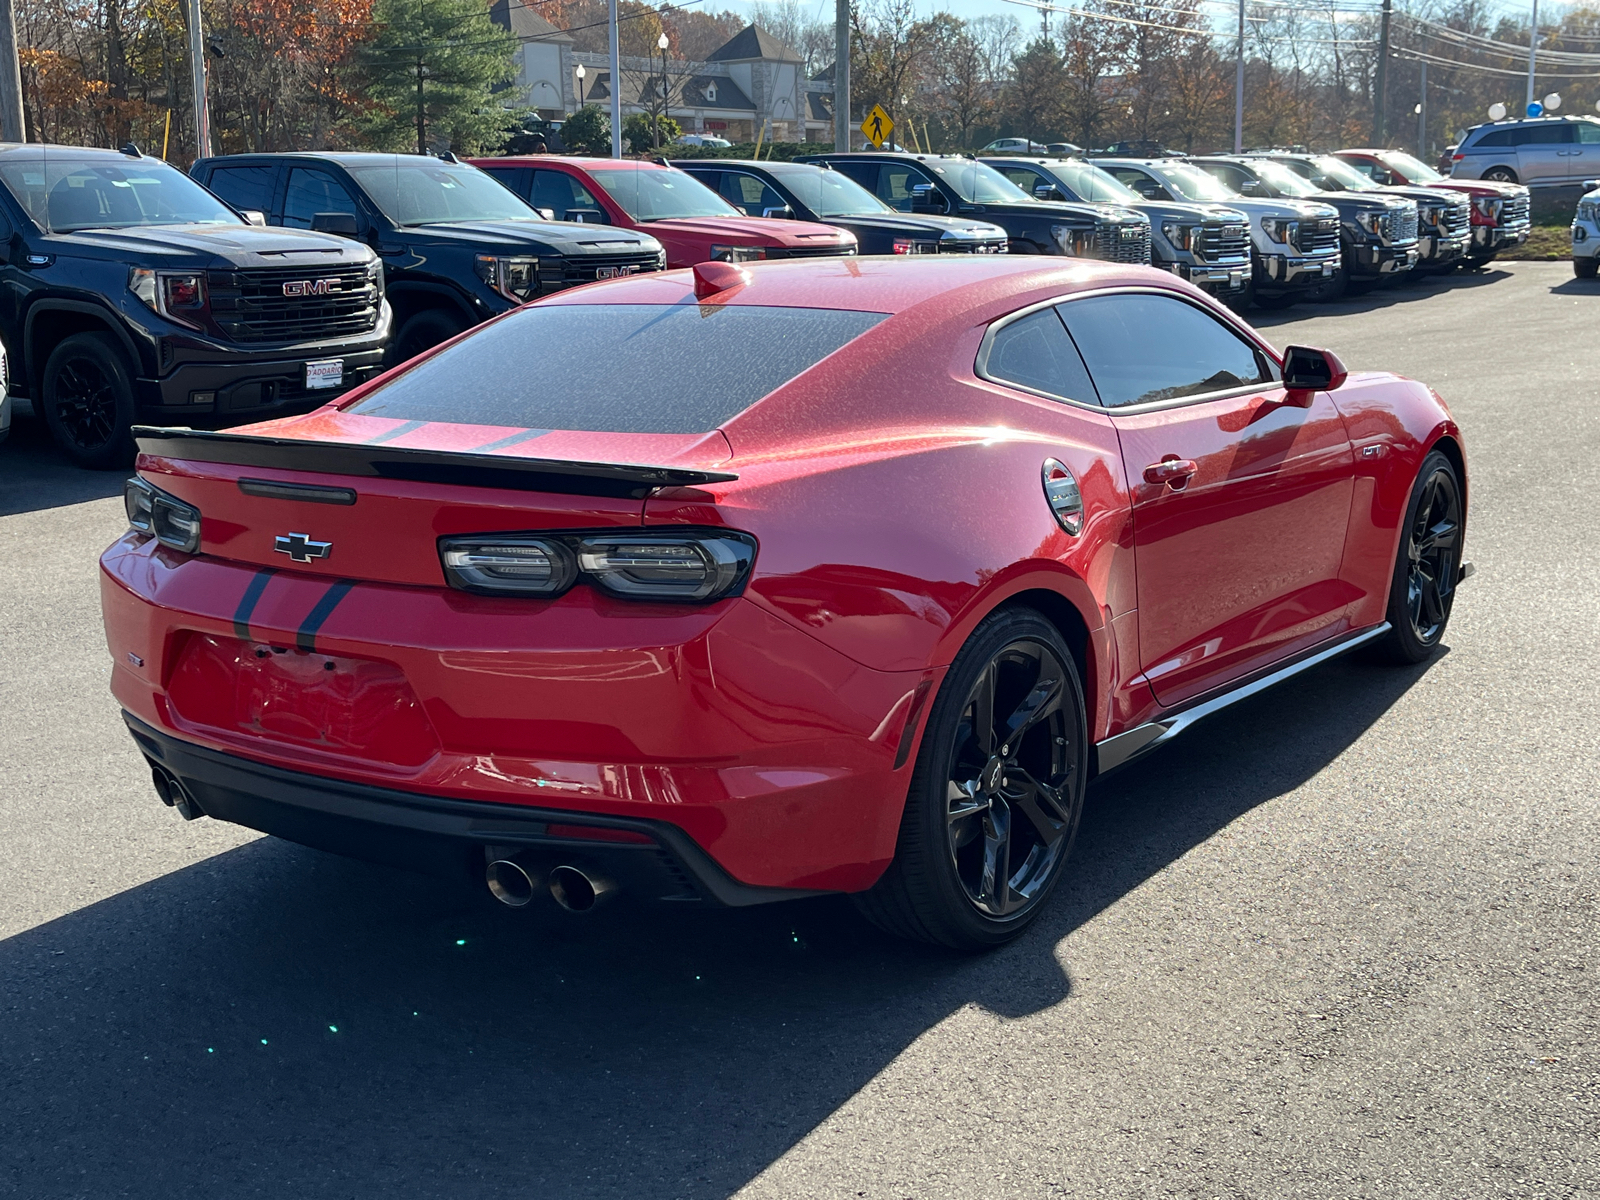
column 1533, row 45
column 841, row 76
column 1238, row 89
column 422, row 112
column 1380, row 100
column 616, row 87
column 11, row 129
column 197, row 73
column 1422, row 115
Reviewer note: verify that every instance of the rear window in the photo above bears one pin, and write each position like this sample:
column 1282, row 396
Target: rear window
column 618, row 368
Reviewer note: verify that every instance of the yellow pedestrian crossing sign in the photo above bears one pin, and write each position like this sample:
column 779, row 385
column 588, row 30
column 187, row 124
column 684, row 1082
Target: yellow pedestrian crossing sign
column 876, row 126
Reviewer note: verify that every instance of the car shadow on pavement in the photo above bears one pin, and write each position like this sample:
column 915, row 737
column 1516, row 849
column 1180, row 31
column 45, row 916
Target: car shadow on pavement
column 1577, row 287
column 35, row 475
column 277, row 1022
column 1385, row 296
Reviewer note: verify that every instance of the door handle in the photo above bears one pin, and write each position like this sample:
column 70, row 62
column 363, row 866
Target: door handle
column 1174, row 472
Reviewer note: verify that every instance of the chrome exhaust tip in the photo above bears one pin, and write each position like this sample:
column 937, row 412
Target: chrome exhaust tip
column 577, row 891
column 512, row 883
column 173, row 794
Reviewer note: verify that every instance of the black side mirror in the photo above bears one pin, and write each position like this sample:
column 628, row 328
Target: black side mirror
column 1250, row 188
column 1309, row 370
column 926, row 198
column 1045, row 191
column 340, row 224
column 584, row 216
column 783, row 211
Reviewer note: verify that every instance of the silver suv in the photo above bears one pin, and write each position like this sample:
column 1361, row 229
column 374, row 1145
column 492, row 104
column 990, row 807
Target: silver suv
column 1538, row 152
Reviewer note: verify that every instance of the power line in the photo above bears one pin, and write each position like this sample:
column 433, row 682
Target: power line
column 1421, row 56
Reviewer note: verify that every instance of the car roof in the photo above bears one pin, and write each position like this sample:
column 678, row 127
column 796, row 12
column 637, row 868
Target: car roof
column 581, row 164
column 883, row 284
column 349, row 158
column 40, row 149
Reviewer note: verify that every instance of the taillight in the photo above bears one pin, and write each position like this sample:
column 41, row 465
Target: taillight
column 169, row 520
column 695, row 566
column 902, row 246
column 1458, row 157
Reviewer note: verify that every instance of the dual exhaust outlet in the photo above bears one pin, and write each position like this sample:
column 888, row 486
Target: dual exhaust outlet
column 516, row 880
column 173, row 794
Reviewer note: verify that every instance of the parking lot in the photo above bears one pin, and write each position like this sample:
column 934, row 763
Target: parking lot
column 1337, row 942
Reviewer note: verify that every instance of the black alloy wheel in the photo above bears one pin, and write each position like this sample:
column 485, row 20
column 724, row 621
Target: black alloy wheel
column 1429, row 564
column 87, row 401
column 997, row 792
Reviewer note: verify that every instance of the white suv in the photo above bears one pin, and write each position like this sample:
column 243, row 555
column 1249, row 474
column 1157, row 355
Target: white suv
column 1586, row 232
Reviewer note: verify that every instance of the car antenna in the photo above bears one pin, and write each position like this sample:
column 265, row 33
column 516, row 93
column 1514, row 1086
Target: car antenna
column 448, row 156
column 130, row 150
column 661, row 161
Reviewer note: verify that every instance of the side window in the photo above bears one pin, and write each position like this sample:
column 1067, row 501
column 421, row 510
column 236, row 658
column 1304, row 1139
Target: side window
column 1545, row 135
column 1495, row 137
column 245, row 187
column 1025, row 179
column 1589, row 133
column 513, row 179
column 312, row 192
column 1035, row 352
column 1230, row 175
column 749, row 194
column 895, row 182
column 1140, row 182
column 561, row 194
column 1141, row 347
column 1370, row 169
column 864, row 173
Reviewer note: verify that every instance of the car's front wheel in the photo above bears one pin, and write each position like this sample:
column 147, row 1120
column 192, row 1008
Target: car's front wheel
column 1501, row 175
column 1423, row 588
column 422, row 331
column 87, row 401
column 996, row 794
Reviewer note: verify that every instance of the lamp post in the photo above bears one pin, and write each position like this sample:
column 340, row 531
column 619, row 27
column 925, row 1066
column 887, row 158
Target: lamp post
column 580, row 72
column 660, row 125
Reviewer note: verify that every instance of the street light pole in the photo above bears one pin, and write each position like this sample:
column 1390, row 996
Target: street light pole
column 1380, row 90
column 1422, row 115
column 581, row 73
column 841, row 76
column 1238, row 90
column 661, row 127
column 11, row 129
column 197, row 74
column 616, row 87
column 1533, row 45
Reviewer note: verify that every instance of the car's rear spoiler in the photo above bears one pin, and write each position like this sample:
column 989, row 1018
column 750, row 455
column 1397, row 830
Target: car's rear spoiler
column 621, row 480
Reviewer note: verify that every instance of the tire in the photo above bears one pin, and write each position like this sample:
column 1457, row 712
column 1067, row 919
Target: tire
column 86, row 399
column 1279, row 301
column 1428, row 565
column 943, row 886
column 422, row 331
column 1332, row 289
column 1585, row 268
column 1500, row 175
column 1477, row 262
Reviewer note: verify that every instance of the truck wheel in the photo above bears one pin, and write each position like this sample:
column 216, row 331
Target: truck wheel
column 422, row 331
column 1278, row 301
column 1477, row 262
column 87, row 401
column 1331, row 289
column 996, row 795
column 1501, row 175
column 1585, row 268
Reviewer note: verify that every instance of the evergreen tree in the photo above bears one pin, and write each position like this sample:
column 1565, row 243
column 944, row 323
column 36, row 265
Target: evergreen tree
column 433, row 72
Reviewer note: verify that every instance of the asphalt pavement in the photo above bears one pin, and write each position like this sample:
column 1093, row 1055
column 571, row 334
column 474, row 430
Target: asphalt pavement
column 1337, row 942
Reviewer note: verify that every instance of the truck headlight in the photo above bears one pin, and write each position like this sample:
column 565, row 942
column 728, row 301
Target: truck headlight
column 1586, row 210
column 1488, row 206
column 1372, row 222
column 178, row 296
column 1280, row 229
column 1080, row 243
column 737, row 254
column 1180, row 235
column 517, row 279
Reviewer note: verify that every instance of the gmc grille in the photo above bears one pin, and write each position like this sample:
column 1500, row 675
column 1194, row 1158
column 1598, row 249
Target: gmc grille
column 1514, row 213
column 990, row 246
column 1318, row 237
column 1400, row 226
column 587, row 268
column 250, row 306
column 1122, row 242
column 1457, row 220
column 1222, row 243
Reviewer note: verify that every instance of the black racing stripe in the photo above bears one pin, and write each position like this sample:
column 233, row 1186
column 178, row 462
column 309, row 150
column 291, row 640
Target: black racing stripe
column 306, row 636
column 400, row 430
column 515, row 439
column 252, row 596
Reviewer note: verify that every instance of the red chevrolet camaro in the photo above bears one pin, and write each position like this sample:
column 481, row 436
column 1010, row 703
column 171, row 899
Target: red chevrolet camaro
column 743, row 584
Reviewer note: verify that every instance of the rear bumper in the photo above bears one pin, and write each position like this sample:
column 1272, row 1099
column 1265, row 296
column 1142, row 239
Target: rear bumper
column 784, row 761
column 438, row 834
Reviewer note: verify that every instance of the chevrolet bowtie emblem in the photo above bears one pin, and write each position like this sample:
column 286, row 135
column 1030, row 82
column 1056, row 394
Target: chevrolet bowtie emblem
column 300, row 547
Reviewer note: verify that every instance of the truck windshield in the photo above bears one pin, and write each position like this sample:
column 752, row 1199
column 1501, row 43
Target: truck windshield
column 618, row 368
column 1194, row 185
column 1413, row 169
column 978, row 183
column 427, row 191
column 1092, row 184
column 660, row 194
column 830, row 193
column 64, row 193
column 1280, row 179
column 1333, row 174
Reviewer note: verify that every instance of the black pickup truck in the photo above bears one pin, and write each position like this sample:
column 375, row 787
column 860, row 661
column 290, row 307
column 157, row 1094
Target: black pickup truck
column 950, row 185
column 457, row 246
column 129, row 294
